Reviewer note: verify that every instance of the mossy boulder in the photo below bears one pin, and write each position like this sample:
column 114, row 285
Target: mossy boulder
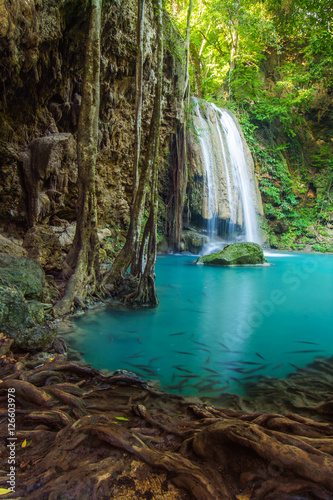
column 193, row 241
column 235, row 254
column 36, row 339
column 14, row 311
column 24, row 274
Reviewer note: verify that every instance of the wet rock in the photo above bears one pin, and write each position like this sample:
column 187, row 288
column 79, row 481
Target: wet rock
column 36, row 312
column 36, row 338
column 48, row 169
column 193, row 241
column 8, row 247
column 24, row 274
column 14, row 310
column 43, row 245
column 235, row 254
column 65, row 234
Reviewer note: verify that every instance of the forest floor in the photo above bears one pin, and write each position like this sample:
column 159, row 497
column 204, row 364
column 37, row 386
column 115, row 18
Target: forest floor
column 81, row 434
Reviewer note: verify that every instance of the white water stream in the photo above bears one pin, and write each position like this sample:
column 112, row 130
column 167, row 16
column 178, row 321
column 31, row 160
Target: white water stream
column 228, row 178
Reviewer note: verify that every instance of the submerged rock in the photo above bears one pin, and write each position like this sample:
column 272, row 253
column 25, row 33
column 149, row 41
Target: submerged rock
column 235, row 254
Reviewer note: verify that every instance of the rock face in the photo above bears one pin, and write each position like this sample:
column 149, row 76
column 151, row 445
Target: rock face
column 235, row 254
column 42, row 45
column 22, row 314
column 193, row 241
column 9, row 247
column 24, row 274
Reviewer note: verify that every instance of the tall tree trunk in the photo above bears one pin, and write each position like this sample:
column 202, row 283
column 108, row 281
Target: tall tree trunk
column 138, row 113
column 82, row 263
column 187, row 47
column 146, row 293
column 128, row 253
column 138, row 95
column 234, row 42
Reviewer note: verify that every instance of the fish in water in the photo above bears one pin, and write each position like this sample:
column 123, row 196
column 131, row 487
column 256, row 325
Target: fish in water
column 132, row 331
column 136, row 355
column 302, row 352
column 260, row 356
column 248, row 363
column 255, row 369
column 187, row 376
column 207, row 360
column 304, row 342
column 139, row 339
column 178, row 333
column 210, row 370
column 155, row 359
column 236, row 380
column 202, row 349
column 277, row 366
column 180, row 368
column 208, row 388
column 225, row 347
column 199, row 343
column 177, row 387
column 183, row 352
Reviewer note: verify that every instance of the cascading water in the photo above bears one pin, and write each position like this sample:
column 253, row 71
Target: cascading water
column 210, row 176
column 230, row 194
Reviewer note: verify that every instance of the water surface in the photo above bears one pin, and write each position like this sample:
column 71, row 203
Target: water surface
column 218, row 329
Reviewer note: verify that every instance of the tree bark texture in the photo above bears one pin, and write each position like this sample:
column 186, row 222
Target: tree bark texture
column 149, row 171
column 82, row 263
column 146, row 294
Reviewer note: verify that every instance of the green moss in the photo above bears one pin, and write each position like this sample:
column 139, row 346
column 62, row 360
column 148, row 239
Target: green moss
column 235, row 254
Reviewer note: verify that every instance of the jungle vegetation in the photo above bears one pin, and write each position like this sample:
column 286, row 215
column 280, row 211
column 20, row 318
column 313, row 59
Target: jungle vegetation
column 271, row 63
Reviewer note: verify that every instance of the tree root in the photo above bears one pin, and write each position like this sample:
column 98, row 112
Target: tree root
column 88, row 430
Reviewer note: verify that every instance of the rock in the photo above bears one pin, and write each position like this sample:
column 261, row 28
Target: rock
column 103, row 235
column 36, row 312
column 24, row 274
column 14, row 311
column 43, row 245
column 193, row 241
column 65, row 234
column 10, row 248
column 36, row 338
column 235, row 254
column 49, row 169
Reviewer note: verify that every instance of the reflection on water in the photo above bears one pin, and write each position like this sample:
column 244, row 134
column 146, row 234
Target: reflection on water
column 218, row 329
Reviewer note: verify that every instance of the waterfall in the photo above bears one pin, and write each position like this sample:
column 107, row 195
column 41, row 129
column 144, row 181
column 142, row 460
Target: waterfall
column 230, row 198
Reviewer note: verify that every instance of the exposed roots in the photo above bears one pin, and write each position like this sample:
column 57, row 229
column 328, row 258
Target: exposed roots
column 90, row 436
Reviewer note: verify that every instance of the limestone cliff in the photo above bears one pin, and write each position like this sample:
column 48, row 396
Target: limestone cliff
column 42, row 45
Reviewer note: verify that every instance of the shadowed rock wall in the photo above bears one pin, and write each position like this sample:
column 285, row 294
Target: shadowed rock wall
column 42, row 46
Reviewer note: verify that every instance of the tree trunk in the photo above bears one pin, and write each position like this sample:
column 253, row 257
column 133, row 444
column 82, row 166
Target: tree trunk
column 234, row 43
column 138, row 95
column 128, row 254
column 82, row 263
column 146, row 294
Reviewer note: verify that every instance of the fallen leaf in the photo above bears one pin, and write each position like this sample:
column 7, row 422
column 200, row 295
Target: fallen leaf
column 121, row 418
column 4, row 490
column 24, row 444
column 245, row 497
